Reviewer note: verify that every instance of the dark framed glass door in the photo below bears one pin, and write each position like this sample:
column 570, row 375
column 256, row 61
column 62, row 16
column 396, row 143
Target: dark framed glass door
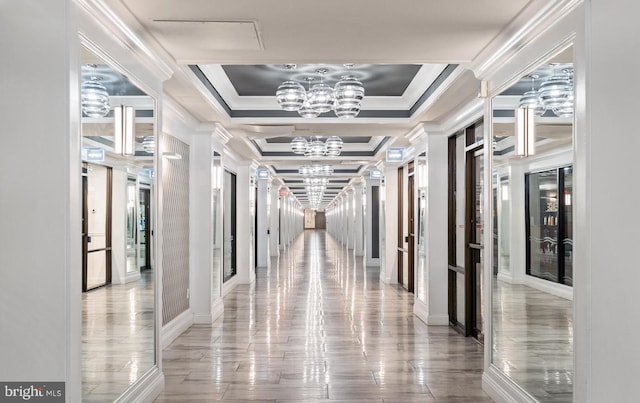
column 144, row 224
column 96, row 226
column 549, row 223
column 229, row 226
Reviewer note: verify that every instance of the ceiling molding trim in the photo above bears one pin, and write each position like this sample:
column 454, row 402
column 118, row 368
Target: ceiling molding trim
column 112, row 23
column 417, row 134
column 436, row 88
column 534, row 19
column 219, row 100
column 222, row 134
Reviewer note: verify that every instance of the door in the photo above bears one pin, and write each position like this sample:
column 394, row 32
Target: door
column 401, row 240
column 410, row 229
column 96, row 226
column 474, row 247
column 229, row 226
column 144, row 226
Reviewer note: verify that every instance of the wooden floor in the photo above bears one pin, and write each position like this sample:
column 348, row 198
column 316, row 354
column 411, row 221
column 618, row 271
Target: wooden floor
column 117, row 338
column 317, row 326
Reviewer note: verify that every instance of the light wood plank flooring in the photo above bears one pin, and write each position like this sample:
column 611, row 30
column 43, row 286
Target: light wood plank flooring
column 317, row 326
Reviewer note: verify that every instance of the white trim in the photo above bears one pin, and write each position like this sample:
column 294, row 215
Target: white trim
column 230, row 285
column 505, row 277
column 423, row 79
column 421, row 310
column 202, row 319
column 146, row 389
column 131, row 277
column 217, row 310
column 533, row 20
column 557, row 289
column 502, row 389
column 175, row 328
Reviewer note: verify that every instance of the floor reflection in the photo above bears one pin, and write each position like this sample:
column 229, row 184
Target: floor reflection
column 533, row 340
column 318, row 326
column 117, row 338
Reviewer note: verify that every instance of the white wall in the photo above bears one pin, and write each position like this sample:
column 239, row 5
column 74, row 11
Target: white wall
column 40, row 292
column 606, row 198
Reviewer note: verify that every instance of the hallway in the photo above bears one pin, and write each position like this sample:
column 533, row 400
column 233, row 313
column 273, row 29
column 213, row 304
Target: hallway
column 317, row 326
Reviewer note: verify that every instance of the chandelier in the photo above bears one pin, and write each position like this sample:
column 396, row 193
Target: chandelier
column 94, row 97
column 315, row 170
column 345, row 99
column 555, row 94
column 148, row 144
column 316, row 148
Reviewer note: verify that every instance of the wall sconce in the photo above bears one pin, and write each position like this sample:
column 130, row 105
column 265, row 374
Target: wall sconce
column 124, row 142
column 525, row 132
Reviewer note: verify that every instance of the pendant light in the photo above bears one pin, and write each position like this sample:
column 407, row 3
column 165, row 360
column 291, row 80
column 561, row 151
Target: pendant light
column 291, row 94
column 320, row 96
column 94, row 97
column 531, row 99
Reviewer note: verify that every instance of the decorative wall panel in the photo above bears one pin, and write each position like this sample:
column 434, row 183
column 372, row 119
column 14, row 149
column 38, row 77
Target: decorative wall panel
column 175, row 231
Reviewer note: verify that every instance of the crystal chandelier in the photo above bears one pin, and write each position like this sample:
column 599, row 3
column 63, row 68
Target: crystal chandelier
column 94, row 97
column 316, row 148
column 345, row 99
column 315, row 170
column 555, row 94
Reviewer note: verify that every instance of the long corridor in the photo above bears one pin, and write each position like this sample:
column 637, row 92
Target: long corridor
column 318, row 326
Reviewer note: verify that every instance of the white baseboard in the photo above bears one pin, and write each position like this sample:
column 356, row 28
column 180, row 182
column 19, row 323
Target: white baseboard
column 131, row 277
column 559, row 290
column 145, row 390
column 229, row 285
column 202, row 319
column 421, row 311
column 506, row 277
column 217, row 310
column 502, row 389
column 175, row 328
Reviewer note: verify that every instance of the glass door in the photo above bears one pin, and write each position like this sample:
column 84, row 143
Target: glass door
column 96, row 221
column 144, row 228
column 229, row 226
column 132, row 227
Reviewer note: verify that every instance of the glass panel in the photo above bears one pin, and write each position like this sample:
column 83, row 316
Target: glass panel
column 532, row 320
column 542, row 236
column 118, row 320
column 229, row 225
column 567, row 225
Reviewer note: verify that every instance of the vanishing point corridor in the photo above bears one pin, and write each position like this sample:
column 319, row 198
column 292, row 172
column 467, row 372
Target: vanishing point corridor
column 318, row 326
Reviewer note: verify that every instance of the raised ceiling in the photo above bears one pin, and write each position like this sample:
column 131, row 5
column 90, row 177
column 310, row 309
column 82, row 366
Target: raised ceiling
column 412, row 55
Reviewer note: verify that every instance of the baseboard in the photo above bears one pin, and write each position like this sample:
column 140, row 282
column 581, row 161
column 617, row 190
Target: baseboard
column 202, row 319
column 217, row 310
column 175, row 328
column 559, row 290
column 421, row 310
column 507, row 278
column 145, row 390
column 502, row 389
column 229, row 285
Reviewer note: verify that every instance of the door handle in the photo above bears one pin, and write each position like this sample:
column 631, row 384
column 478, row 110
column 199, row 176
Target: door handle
column 406, row 239
column 88, row 238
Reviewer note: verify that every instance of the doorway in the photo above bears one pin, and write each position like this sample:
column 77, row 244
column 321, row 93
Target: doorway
column 229, row 226
column 144, row 223
column 406, row 219
column 96, row 226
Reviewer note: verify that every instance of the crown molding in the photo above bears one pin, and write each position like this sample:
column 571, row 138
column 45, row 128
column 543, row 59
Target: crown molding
column 534, row 19
column 123, row 31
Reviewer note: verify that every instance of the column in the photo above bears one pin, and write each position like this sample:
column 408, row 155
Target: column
column 390, row 254
column 246, row 274
column 351, row 234
column 432, row 306
column 40, row 207
column 262, row 231
column 372, row 224
column 358, row 225
column 606, row 204
column 274, row 219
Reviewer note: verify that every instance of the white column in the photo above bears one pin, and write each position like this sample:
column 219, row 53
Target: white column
column 517, row 231
column 246, row 274
column 390, row 273
column 274, row 219
column 201, row 231
column 359, row 232
column 40, row 206
column 370, row 218
column 606, row 205
column 351, row 235
column 262, row 235
column 434, row 309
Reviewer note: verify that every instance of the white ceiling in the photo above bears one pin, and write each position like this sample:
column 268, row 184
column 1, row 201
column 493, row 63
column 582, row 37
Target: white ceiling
column 262, row 32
